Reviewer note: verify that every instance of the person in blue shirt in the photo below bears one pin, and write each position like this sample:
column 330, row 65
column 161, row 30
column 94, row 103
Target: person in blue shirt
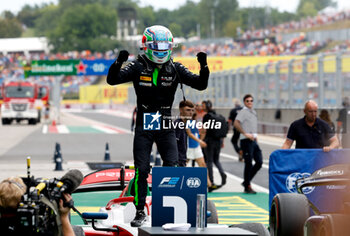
column 194, row 150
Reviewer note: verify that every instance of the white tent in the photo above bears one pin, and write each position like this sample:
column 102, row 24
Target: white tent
column 24, row 45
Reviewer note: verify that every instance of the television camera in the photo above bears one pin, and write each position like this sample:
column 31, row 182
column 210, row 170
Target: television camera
column 38, row 212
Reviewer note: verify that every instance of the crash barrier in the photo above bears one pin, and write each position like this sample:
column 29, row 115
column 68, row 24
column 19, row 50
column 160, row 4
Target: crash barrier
column 286, row 166
column 174, row 194
column 282, row 84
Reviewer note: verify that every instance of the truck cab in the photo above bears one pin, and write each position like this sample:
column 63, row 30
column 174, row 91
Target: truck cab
column 19, row 102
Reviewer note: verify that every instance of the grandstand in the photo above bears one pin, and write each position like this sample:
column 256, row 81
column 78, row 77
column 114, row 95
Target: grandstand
column 305, row 37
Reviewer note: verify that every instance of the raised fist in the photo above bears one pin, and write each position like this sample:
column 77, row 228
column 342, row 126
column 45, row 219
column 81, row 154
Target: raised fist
column 123, row 56
column 202, row 58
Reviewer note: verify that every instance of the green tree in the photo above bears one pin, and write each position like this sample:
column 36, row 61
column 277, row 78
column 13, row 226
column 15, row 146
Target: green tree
column 175, row 29
column 309, row 7
column 187, row 17
column 28, row 15
column 225, row 11
column 8, row 15
column 164, row 17
column 10, row 27
column 48, row 20
column 77, row 31
column 217, row 12
column 230, row 28
column 147, row 18
column 277, row 17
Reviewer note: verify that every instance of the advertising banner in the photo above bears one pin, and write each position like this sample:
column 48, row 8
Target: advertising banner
column 286, row 166
column 69, row 67
column 53, row 67
column 216, row 64
column 94, row 67
column 174, row 194
column 103, row 93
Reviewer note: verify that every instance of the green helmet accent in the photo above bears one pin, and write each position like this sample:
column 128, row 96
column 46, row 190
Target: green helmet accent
column 157, row 43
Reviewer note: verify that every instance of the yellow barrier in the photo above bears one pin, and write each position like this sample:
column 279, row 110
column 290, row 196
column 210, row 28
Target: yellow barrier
column 227, row 63
column 217, row 64
column 103, row 94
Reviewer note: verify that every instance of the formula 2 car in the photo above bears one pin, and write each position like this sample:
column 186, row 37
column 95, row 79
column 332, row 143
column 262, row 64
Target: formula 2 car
column 115, row 216
column 295, row 214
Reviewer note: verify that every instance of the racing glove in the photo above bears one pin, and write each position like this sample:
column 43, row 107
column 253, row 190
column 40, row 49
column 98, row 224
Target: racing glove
column 202, row 58
column 123, row 56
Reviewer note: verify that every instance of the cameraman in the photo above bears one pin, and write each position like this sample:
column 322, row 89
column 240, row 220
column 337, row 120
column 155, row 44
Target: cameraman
column 11, row 192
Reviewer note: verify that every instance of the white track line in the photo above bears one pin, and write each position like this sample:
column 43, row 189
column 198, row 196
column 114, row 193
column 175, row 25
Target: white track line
column 62, row 129
column 105, row 130
column 45, row 129
column 93, row 122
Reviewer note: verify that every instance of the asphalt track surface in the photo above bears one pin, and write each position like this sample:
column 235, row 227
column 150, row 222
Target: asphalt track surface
column 82, row 136
column 228, row 158
column 81, row 145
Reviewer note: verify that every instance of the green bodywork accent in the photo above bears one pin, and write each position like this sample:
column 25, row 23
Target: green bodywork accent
column 155, row 76
column 136, row 183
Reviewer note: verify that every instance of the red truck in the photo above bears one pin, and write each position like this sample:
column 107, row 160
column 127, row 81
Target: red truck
column 22, row 101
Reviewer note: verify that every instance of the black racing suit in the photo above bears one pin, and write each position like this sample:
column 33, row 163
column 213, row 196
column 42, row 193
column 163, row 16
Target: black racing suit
column 153, row 96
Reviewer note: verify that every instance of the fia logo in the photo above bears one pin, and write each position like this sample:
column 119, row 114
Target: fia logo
column 151, row 121
column 193, row 182
column 291, row 185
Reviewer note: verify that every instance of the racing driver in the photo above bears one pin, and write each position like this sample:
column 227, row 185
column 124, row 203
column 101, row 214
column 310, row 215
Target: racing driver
column 155, row 78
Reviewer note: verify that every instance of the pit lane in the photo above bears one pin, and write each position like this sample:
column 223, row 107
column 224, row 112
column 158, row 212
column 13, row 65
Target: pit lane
column 83, row 140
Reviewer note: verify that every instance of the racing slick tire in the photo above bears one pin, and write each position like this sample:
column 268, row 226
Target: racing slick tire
column 213, row 219
column 327, row 225
column 257, row 228
column 288, row 213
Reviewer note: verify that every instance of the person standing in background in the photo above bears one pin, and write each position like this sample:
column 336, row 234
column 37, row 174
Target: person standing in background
column 342, row 124
column 194, row 150
column 247, row 124
column 186, row 109
column 324, row 115
column 235, row 134
column 310, row 131
column 212, row 151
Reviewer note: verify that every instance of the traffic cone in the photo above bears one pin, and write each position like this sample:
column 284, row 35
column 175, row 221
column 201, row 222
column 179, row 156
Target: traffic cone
column 107, row 155
column 158, row 161
column 58, row 159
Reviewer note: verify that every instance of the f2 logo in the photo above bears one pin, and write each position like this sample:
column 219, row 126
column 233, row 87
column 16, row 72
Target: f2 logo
column 169, row 181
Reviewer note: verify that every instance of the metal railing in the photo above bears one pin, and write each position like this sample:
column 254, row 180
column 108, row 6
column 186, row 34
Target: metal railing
column 324, row 78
